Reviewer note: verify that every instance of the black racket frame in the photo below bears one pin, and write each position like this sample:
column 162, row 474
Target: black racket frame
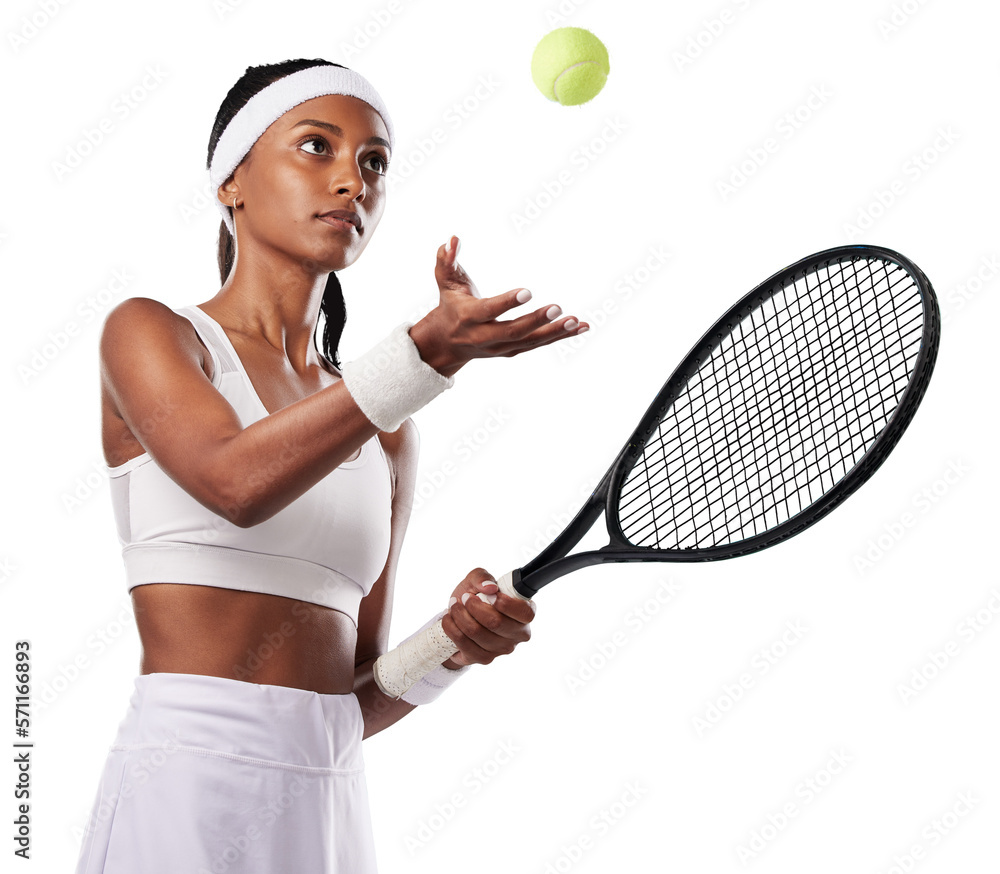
column 553, row 562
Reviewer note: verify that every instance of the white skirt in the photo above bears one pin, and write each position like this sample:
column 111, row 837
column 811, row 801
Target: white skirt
column 214, row 776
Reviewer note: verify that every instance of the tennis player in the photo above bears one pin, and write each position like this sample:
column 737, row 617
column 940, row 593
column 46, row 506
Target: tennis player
column 261, row 492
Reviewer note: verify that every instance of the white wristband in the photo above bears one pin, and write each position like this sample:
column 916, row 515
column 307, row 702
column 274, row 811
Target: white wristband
column 391, row 381
column 430, row 686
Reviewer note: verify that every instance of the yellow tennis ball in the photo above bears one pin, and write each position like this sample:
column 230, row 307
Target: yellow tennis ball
column 570, row 65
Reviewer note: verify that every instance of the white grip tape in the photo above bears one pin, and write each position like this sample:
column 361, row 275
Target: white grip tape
column 397, row 670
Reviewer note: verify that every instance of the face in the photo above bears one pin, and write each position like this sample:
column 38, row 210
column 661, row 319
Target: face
column 328, row 153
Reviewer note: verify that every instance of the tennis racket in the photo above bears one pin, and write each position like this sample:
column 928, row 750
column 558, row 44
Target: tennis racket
column 783, row 409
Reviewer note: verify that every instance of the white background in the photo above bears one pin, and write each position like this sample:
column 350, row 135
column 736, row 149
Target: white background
column 511, row 767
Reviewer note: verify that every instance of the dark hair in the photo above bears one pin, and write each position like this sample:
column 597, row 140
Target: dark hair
column 253, row 80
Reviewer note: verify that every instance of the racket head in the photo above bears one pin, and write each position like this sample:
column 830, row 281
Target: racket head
column 856, row 305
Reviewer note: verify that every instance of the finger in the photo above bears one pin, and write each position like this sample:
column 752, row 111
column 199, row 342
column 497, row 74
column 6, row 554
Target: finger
column 478, row 578
column 477, row 582
column 469, row 650
column 516, row 609
column 449, row 272
column 516, row 342
column 543, row 322
column 555, row 333
column 491, row 629
column 489, row 587
column 487, row 309
column 455, row 279
column 447, row 266
column 447, row 253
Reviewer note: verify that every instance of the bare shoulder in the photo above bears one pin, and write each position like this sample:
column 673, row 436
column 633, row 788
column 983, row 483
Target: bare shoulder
column 142, row 323
column 142, row 315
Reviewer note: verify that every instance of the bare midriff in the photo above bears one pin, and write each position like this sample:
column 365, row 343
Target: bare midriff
column 245, row 636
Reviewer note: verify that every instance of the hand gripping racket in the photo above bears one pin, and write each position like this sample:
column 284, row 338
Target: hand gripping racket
column 782, row 410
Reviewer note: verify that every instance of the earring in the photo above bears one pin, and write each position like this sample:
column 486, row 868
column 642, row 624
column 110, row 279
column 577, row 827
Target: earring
column 234, row 204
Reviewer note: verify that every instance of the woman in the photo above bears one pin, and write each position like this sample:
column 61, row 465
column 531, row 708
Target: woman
column 261, row 492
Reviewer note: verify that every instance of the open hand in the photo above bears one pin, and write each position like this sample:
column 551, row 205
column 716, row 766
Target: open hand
column 464, row 325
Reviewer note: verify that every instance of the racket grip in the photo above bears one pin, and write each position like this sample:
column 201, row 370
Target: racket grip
column 399, row 669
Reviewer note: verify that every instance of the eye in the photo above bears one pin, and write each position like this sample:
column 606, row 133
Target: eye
column 316, row 140
column 383, row 162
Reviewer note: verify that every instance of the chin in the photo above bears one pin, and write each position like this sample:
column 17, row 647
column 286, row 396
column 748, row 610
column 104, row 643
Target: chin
column 337, row 261
column 334, row 254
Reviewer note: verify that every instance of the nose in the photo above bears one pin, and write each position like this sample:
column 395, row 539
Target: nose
column 348, row 179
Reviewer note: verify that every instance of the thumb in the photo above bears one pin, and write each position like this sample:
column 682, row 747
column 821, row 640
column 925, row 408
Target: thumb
column 478, row 583
column 449, row 274
column 447, row 257
column 488, row 587
column 488, row 592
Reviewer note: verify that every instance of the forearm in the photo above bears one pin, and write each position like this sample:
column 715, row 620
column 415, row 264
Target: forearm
column 275, row 460
column 378, row 709
column 288, row 452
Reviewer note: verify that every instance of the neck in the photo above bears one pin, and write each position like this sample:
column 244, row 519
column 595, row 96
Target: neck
column 273, row 302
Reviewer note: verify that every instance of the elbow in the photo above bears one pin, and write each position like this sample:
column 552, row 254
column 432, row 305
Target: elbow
column 233, row 513
column 240, row 516
column 241, row 519
column 229, row 490
column 237, row 503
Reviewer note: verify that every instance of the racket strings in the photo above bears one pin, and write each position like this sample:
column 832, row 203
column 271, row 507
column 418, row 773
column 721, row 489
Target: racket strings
column 807, row 483
column 784, row 407
column 731, row 411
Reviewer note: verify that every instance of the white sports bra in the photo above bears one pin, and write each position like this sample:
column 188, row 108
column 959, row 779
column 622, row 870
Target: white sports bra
column 327, row 547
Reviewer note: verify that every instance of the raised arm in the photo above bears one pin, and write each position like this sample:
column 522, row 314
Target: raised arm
column 153, row 372
column 152, row 367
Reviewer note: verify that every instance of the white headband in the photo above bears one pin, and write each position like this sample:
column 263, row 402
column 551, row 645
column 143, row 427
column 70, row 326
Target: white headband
column 269, row 104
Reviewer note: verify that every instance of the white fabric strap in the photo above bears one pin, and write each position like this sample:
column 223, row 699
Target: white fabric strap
column 270, row 103
column 391, row 381
column 430, row 686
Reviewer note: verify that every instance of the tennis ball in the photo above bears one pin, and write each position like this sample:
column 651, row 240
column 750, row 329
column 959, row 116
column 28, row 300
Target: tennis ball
column 570, row 65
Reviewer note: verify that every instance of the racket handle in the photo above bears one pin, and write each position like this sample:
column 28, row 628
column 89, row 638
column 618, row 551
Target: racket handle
column 399, row 669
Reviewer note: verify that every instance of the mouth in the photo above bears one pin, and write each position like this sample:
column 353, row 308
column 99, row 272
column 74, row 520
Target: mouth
column 343, row 218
